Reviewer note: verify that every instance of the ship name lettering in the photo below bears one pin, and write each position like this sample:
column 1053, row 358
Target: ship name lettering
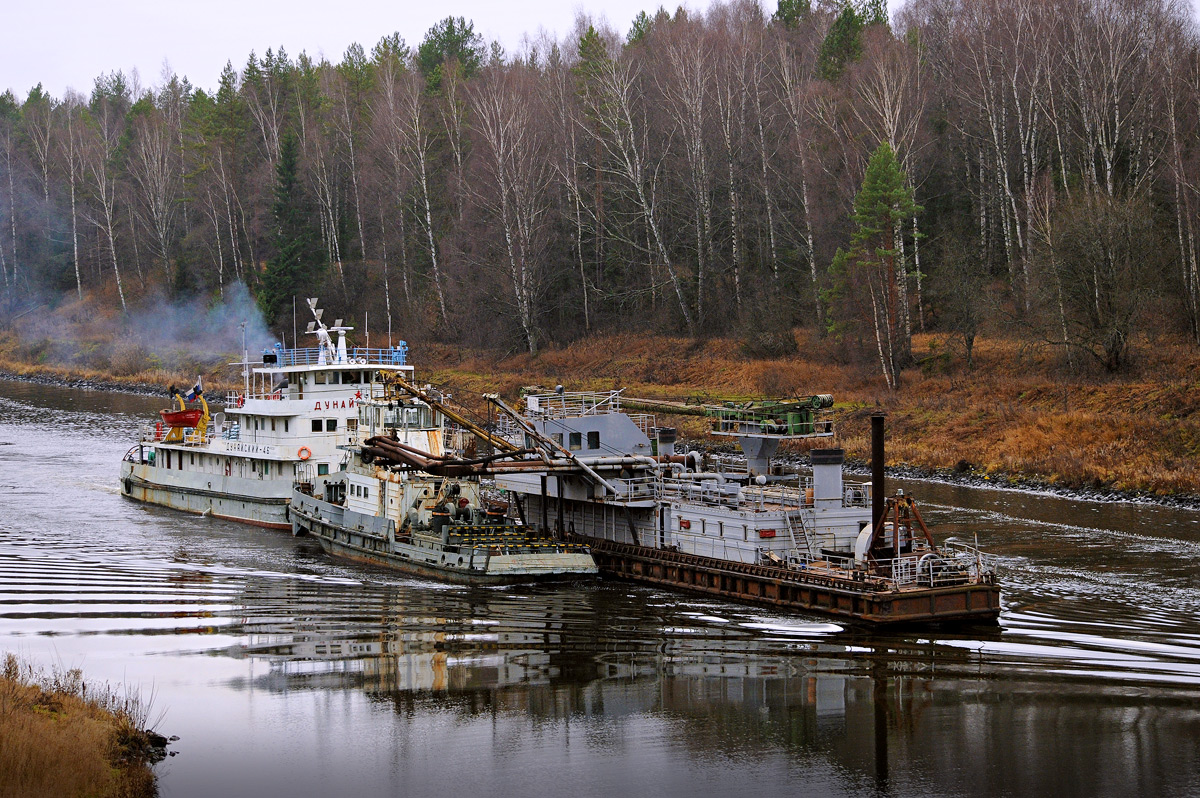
column 335, row 405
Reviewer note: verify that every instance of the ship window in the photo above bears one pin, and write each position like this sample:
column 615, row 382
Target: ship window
column 319, row 378
column 316, row 425
column 745, row 532
column 322, row 469
column 721, row 528
column 331, row 425
column 191, row 459
column 272, row 425
column 366, row 492
column 576, row 440
column 349, row 378
column 352, row 424
column 285, row 424
column 594, row 439
column 556, row 437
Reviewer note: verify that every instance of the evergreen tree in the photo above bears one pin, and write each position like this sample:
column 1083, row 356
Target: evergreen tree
column 790, row 13
column 299, row 259
column 842, row 45
column 452, row 39
column 872, row 275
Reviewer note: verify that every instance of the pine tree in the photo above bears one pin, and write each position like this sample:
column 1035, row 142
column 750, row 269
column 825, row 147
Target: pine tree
column 842, row 45
column 452, row 39
column 790, row 13
column 299, row 259
column 872, row 273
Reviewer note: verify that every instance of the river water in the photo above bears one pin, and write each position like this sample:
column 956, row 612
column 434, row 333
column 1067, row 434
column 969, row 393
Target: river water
column 287, row 673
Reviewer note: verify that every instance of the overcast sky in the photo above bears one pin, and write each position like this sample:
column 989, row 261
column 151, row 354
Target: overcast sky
column 67, row 43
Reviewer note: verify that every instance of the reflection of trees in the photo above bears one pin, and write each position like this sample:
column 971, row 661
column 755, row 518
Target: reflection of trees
column 605, row 676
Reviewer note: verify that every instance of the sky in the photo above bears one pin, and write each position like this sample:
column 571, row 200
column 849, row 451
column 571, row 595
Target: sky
column 68, row 43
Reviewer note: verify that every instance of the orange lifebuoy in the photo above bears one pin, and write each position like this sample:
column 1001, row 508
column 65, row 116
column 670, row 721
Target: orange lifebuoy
column 304, row 453
column 241, row 400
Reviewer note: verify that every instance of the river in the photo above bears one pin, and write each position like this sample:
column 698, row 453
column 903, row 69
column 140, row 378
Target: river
column 287, row 673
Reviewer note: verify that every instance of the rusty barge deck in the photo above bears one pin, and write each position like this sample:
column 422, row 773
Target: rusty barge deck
column 813, row 588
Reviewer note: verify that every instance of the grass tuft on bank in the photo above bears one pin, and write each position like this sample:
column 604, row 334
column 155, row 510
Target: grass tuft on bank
column 62, row 737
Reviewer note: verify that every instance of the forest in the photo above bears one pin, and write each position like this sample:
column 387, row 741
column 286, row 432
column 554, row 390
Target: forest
column 1029, row 168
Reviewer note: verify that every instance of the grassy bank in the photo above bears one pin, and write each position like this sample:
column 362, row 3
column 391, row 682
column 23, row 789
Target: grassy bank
column 61, row 737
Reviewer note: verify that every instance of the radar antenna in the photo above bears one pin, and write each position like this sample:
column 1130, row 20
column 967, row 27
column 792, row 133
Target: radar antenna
column 327, row 351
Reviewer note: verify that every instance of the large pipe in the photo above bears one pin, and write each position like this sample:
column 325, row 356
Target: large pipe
column 878, row 498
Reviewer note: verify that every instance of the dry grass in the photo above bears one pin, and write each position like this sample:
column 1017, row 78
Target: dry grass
column 60, row 737
column 1013, row 416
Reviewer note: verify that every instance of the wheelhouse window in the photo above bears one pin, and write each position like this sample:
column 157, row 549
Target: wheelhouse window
column 594, row 439
column 576, row 441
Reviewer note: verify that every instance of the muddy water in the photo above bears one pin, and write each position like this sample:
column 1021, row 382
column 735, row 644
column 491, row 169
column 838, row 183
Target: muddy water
column 286, row 673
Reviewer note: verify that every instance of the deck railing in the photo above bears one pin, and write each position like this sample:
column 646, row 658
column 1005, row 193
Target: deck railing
column 355, row 355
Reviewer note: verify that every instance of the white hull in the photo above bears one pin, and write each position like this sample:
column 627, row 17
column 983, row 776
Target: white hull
column 260, row 502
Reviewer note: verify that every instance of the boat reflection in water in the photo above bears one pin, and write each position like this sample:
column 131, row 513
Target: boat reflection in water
column 746, row 699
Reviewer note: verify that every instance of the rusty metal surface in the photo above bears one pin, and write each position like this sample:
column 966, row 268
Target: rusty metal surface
column 866, row 601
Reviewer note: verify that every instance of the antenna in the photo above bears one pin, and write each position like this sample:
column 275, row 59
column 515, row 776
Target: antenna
column 245, row 363
column 327, row 351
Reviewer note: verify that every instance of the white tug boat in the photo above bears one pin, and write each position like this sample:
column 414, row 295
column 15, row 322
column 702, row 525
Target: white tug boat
column 418, row 510
column 297, row 407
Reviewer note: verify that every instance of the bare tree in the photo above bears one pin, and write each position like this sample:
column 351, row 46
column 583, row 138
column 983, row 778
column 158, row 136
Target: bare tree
column 100, row 144
column 516, row 159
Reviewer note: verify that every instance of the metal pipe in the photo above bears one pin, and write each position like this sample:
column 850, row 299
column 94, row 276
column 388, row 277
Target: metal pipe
column 878, row 497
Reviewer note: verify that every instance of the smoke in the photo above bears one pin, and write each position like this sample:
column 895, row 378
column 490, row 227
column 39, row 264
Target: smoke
column 200, row 335
column 200, row 328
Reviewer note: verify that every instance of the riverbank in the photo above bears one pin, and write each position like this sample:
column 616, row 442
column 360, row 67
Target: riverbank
column 1013, row 420
column 62, row 737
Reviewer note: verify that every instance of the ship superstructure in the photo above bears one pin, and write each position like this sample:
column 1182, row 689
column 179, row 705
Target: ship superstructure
column 296, row 412
column 402, row 506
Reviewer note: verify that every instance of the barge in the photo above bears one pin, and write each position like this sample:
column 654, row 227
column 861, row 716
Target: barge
column 821, row 543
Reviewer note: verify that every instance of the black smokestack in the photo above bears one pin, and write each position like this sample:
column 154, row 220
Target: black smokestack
column 877, row 486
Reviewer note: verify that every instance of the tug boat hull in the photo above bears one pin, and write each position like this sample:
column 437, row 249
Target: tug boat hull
column 367, row 539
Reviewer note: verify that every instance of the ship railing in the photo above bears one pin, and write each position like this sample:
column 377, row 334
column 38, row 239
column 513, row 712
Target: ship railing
column 981, row 566
column 943, row 568
column 783, row 421
column 956, row 565
column 573, row 404
column 644, row 488
column 355, row 355
column 157, row 433
column 236, row 399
